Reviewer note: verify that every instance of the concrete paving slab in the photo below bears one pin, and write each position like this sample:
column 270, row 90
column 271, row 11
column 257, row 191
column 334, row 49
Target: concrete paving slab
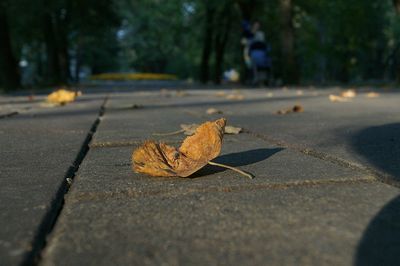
column 342, row 130
column 123, row 122
column 37, row 150
column 365, row 131
column 323, row 225
column 107, row 171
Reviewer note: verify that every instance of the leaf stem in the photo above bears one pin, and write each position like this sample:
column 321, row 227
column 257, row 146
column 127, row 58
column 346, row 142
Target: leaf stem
column 232, row 168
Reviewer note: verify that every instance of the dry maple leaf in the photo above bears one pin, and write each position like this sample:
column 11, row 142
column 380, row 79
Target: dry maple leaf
column 348, row 94
column 295, row 109
column 232, row 130
column 190, row 129
column 62, row 96
column 211, row 111
column 220, row 94
column 181, row 93
column 160, row 159
column 235, row 97
column 336, row 98
column 372, row 95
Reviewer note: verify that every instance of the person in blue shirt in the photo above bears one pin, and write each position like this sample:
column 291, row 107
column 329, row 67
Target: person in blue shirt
column 256, row 52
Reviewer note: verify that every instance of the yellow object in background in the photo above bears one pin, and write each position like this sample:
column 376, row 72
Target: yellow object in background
column 62, row 96
column 133, row 76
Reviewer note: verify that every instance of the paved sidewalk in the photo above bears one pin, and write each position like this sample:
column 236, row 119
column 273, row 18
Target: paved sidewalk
column 326, row 190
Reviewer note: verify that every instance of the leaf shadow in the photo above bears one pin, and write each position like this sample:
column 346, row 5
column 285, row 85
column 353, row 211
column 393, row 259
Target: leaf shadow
column 237, row 159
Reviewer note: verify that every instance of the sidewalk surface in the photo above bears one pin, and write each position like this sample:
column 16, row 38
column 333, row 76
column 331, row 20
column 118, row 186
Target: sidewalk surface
column 326, row 187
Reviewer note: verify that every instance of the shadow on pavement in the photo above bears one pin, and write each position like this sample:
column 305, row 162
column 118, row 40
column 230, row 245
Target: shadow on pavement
column 380, row 145
column 237, row 159
column 380, row 243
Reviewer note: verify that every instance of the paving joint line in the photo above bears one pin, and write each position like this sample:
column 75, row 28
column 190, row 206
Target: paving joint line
column 79, row 197
column 379, row 176
column 50, row 218
column 9, row 115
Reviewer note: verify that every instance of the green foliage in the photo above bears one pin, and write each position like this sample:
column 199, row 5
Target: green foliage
column 341, row 40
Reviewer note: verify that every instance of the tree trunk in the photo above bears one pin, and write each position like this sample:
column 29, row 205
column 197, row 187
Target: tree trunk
column 78, row 62
column 9, row 72
column 53, row 62
column 62, row 41
column 207, row 44
column 221, row 40
column 396, row 4
column 247, row 8
column 290, row 72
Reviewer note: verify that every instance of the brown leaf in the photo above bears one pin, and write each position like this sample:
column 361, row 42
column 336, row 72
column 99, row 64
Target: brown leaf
column 220, row 94
column 136, row 106
column 190, row 129
column 295, row 109
column 232, row 130
column 348, row 94
column 160, row 159
column 298, row 108
column 62, row 96
column 336, row 98
column 372, row 95
column 181, row 93
column 211, row 111
column 235, row 97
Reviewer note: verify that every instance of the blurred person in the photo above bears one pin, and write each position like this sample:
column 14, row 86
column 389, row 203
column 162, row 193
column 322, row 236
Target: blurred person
column 256, row 52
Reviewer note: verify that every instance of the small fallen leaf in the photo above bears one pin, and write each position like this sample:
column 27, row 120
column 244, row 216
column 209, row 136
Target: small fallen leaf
column 232, row 130
column 212, row 111
column 165, row 93
column 235, row 97
column 372, row 95
column 298, row 109
column 220, row 94
column 136, row 106
column 336, row 98
column 160, row 159
column 62, row 96
column 348, row 94
column 190, row 129
column 181, row 93
column 295, row 109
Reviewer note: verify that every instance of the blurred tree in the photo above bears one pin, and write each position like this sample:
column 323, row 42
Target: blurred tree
column 207, row 40
column 222, row 30
column 9, row 72
column 396, row 4
column 290, row 72
column 311, row 40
